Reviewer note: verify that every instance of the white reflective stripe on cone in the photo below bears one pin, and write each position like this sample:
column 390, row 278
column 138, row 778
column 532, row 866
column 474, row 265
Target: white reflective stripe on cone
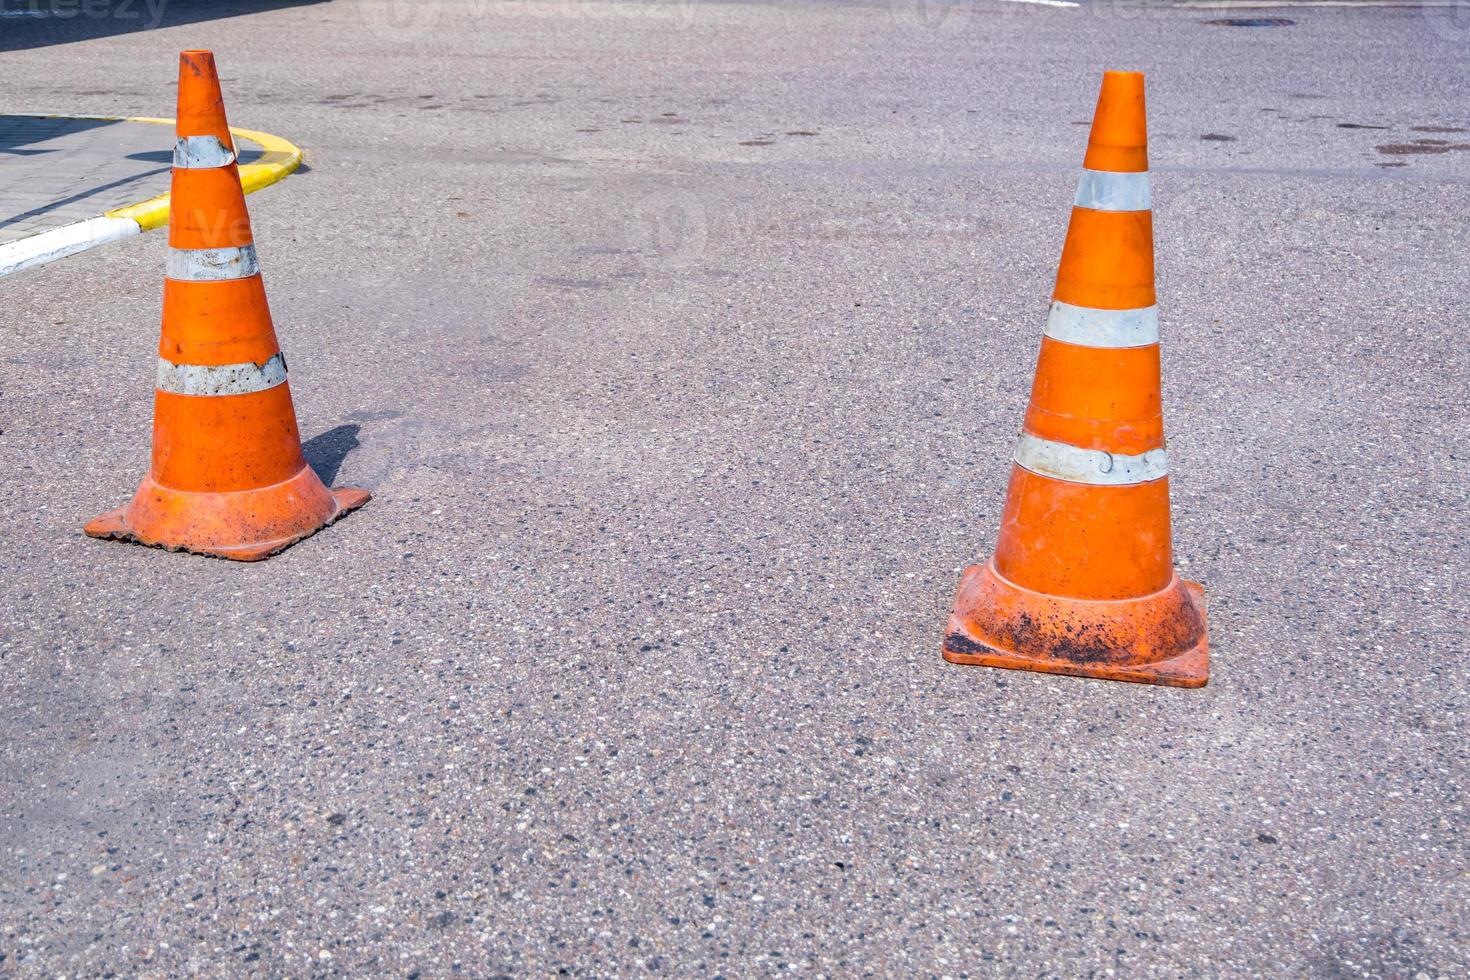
column 1103, row 190
column 202, row 152
column 1088, row 327
column 1063, row 461
column 211, row 264
column 221, row 379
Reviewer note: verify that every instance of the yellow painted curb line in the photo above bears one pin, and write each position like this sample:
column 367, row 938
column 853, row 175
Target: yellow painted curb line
column 280, row 157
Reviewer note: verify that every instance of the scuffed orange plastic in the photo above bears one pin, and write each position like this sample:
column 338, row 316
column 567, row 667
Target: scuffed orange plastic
column 228, row 322
column 227, row 477
column 1107, row 260
column 1097, row 397
column 1159, row 638
column 201, row 104
column 207, row 209
column 1083, row 581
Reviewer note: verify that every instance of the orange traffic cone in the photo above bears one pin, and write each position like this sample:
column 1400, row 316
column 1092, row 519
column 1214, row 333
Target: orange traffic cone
column 1083, row 578
column 228, row 477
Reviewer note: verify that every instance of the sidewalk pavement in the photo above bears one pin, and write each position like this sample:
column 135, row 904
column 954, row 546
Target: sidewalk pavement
column 72, row 182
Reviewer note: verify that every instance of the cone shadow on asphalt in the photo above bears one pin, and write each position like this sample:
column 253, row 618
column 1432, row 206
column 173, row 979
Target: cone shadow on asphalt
column 325, row 453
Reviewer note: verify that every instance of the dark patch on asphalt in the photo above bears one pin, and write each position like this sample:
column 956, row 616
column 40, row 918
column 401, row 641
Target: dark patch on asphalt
column 1360, row 126
column 803, row 132
column 1396, row 953
column 669, row 119
column 1393, row 163
column 756, row 142
column 1420, row 147
column 1217, row 138
column 566, row 282
column 1436, row 129
column 1251, row 22
column 437, row 154
column 356, row 100
column 589, row 130
column 383, row 415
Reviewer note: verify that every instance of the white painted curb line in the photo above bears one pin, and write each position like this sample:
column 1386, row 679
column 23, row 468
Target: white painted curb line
column 279, row 159
column 58, row 243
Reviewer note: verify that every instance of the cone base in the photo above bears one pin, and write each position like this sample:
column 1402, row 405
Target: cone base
column 1156, row 639
column 244, row 525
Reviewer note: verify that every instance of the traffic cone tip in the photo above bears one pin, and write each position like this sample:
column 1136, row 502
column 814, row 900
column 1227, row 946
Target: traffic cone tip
column 201, row 105
column 1118, row 140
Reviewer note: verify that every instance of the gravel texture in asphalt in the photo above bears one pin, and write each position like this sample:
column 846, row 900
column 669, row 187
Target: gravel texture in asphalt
column 683, row 347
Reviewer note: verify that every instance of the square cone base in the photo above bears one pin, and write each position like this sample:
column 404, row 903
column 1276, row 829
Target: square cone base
column 114, row 526
column 1159, row 639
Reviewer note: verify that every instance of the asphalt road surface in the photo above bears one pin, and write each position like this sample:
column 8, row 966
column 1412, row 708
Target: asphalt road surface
column 683, row 347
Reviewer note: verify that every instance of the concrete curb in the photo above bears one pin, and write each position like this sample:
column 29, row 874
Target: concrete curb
column 280, row 158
